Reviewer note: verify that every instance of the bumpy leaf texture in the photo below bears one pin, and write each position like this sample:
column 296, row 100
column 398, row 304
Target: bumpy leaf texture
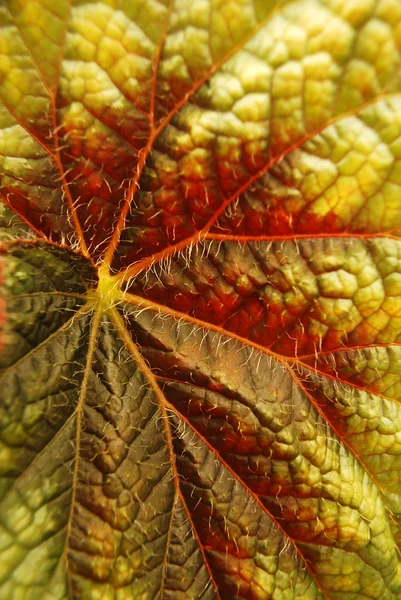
column 200, row 372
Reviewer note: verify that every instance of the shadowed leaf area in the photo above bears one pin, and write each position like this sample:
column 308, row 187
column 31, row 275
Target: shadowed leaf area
column 201, row 278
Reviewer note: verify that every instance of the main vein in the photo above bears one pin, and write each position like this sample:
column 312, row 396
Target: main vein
column 79, row 422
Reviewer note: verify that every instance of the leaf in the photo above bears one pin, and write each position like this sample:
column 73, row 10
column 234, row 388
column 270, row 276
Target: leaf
column 201, row 270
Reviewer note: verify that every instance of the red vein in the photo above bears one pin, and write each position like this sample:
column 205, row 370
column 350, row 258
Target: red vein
column 343, row 439
column 251, row 494
column 155, row 132
column 140, row 302
column 56, row 156
column 197, row 236
column 346, row 348
column 293, row 237
column 66, row 325
column 167, row 548
column 65, row 186
column 79, row 426
column 162, row 402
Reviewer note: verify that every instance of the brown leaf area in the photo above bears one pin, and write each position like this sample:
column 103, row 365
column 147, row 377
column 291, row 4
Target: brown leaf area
column 201, row 275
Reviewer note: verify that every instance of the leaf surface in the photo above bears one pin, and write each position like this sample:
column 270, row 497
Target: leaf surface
column 201, row 269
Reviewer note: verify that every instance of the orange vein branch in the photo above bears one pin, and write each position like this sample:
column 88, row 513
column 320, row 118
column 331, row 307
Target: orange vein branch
column 67, row 193
column 157, row 63
column 252, row 495
column 130, row 194
column 131, row 191
column 200, row 545
column 160, row 308
column 163, row 406
column 288, row 361
column 315, row 404
column 162, row 401
column 142, row 364
column 203, row 233
column 155, row 258
column 79, row 413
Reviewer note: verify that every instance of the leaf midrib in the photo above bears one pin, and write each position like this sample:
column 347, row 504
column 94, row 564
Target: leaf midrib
column 288, row 361
column 162, row 404
column 92, row 344
column 128, row 273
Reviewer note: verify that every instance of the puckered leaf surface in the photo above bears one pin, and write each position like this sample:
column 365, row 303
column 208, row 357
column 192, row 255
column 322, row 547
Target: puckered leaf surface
column 201, row 269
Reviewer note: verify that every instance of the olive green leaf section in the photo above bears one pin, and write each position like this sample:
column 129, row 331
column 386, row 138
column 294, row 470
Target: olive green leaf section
column 87, row 505
column 43, row 292
column 45, row 345
column 11, row 226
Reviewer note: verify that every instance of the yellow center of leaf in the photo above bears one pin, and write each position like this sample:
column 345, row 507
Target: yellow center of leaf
column 107, row 293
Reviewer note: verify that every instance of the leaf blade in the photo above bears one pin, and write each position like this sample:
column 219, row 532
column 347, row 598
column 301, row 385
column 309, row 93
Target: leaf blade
column 217, row 415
